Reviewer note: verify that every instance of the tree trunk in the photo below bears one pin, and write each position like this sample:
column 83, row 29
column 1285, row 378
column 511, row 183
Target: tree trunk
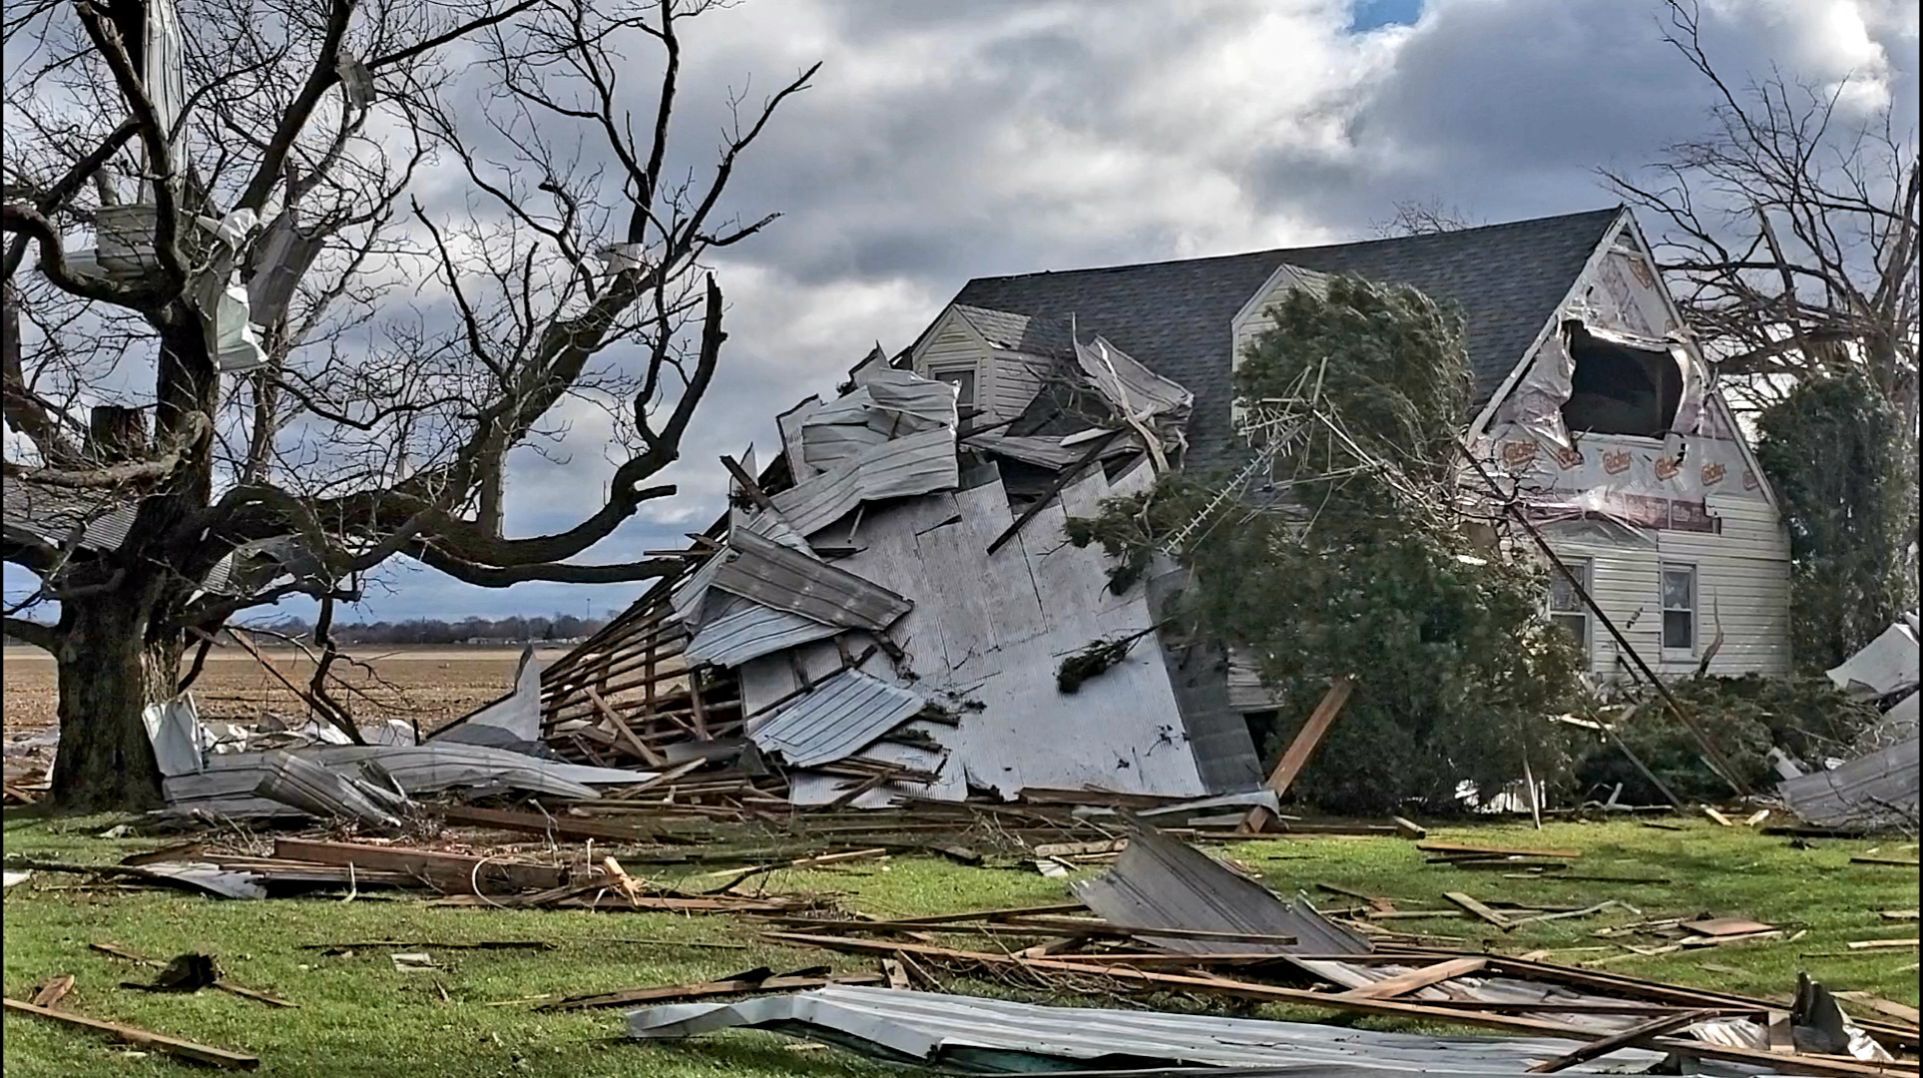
column 111, row 667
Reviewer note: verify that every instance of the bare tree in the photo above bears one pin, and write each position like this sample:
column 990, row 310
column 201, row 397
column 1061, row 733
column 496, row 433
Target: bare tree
column 303, row 365
column 1792, row 231
column 1414, row 217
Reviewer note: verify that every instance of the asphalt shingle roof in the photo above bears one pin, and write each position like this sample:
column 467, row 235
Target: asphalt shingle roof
column 1174, row 316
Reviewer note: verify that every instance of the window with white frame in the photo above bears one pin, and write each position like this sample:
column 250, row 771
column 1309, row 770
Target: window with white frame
column 962, row 378
column 1679, row 608
column 1567, row 611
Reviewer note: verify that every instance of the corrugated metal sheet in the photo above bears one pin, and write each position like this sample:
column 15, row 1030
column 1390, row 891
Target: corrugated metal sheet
column 1161, row 882
column 758, row 568
column 789, row 423
column 914, row 464
column 841, row 716
column 1880, row 788
column 50, row 514
column 993, row 1036
column 742, row 629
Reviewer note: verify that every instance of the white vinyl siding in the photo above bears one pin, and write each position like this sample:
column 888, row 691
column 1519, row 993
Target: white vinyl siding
column 1742, row 590
column 1005, row 382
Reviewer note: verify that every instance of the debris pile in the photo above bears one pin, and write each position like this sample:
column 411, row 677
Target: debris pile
column 1877, row 788
column 890, row 612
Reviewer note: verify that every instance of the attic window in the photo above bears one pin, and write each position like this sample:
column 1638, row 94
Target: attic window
column 1620, row 389
column 963, row 379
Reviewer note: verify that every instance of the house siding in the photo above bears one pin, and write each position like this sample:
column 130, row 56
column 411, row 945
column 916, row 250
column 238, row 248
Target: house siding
column 1742, row 568
column 1005, row 381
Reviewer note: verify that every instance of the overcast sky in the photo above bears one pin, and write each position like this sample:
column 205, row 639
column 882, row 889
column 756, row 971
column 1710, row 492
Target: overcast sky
column 943, row 141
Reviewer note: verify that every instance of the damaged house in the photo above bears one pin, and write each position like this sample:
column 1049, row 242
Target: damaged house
column 890, row 604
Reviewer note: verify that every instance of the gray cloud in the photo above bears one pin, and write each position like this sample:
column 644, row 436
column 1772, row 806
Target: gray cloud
column 947, row 141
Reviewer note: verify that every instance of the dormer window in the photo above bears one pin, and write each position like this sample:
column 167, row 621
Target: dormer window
column 962, row 378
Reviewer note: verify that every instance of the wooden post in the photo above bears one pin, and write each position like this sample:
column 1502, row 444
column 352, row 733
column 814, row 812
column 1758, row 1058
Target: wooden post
column 1260, row 818
column 1311, row 735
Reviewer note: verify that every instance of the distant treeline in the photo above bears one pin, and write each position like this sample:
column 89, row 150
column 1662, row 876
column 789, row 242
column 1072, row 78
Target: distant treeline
column 436, row 631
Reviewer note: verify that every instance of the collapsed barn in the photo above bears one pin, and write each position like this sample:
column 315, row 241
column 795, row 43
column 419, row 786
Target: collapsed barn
column 891, row 608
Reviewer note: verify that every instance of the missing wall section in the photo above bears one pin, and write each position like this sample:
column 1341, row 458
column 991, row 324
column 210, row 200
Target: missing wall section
column 1618, row 387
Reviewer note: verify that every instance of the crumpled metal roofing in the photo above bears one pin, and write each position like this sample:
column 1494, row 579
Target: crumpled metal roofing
column 836, row 719
column 996, row 1036
column 1158, row 881
column 741, row 629
column 1877, row 789
column 758, row 568
column 919, row 463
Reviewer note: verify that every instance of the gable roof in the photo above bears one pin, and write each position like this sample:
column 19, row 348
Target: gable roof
column 1175, row 317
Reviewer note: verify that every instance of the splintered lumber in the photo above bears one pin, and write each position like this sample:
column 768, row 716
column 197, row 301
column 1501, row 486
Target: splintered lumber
column 1721, row 820
column 1177, row 982
column 1404, row 983
column 1478, row 909
column 1635, row 1034
column 1311, row 735
column 222, row 983
column 448, row 872
column 676, row 993
column 535, row 823
column 50, row 992
column 1864, row 859
column 141, row 1038
column 1456, row 849
column 1408, row 828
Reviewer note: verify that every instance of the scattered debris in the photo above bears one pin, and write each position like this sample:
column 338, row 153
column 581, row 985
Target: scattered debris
column 188, row 972
column 50, row 992
column 140, row 1038
column 413, row 962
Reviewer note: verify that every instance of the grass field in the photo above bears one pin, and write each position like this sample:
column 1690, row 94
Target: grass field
column 357, row 1015
column 432, row 685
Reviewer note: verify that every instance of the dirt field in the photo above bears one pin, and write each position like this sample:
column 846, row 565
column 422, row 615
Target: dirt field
column 432, row 685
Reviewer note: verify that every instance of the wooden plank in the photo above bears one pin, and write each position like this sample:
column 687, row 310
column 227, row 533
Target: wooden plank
column 1727, row 926
column 535, row 823
column 1461, row 850
column 1310, row 737
column 223, row 984
column 1404, row 983
column 1888, row 1008
column 1721, row 820
column 1408, row 828
column 1826, row 1066
column 1642, row 1031
column 451, row 872
column 141, row 1038
column 1899, row 862
column 620, row 730
column 1478, row 909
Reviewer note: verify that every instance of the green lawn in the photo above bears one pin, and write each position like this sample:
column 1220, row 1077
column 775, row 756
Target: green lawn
column 357, row 1015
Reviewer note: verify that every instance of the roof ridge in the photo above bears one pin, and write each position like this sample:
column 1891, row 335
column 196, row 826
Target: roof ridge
column 1283, row 251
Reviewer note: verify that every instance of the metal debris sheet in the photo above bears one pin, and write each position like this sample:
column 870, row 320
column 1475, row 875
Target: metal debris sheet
column 995, row 1036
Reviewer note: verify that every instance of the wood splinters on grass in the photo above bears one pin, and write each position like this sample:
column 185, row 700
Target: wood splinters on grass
column 50, row 992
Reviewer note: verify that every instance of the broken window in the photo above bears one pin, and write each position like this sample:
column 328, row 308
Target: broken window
column 1567, row 611
column 1618, row 388
column 963, row 379
column 1679, row 608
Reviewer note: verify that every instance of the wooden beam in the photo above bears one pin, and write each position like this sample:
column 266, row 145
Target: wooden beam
column 535, row 823
column 621, row 731
column 1311, row 735
column 1055, row 488
column 1478, row 909
column 748, row 484
column 1403, row 983
column 452, row 872
column 1642, row 1031
column 141, row 1038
